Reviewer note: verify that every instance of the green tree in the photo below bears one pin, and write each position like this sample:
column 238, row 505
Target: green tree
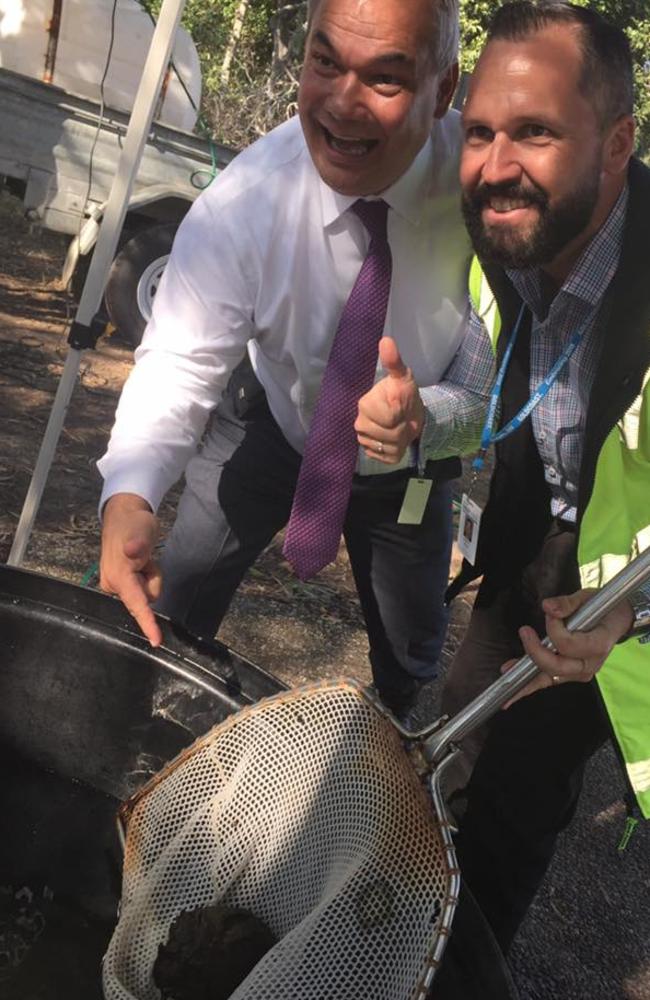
column 630, row 15
column 261, row 53
column 263, row 73
column 210, row 23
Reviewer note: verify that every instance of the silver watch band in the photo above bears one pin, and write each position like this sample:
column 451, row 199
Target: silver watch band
column 640, row 601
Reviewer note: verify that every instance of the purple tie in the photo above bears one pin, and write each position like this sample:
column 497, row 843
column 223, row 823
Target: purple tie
column 323, row 489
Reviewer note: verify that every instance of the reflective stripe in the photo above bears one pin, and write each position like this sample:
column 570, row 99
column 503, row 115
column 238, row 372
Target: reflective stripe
column 623, row 684
column 599, row 571
column 484, row 302
column 615, row 528
column 639, row 775
column 643, row 799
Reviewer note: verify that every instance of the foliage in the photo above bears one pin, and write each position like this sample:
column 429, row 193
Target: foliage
column 631, row 15
column 639, row 35
column 209, row 22
column 263, row 86
column 263, row 82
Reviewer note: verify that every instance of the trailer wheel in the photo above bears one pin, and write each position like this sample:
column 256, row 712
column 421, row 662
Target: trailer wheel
column 80, row 273
column 134, row 278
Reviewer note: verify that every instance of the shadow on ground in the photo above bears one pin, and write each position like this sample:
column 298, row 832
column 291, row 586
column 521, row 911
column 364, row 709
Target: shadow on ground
column 587, row 936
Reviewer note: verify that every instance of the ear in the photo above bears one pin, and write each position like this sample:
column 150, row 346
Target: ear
column 446, row 87
column 619, row 145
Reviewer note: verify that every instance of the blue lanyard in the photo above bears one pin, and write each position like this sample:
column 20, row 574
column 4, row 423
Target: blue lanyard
column 487, row 437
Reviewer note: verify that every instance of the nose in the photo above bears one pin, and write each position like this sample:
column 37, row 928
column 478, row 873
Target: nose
column 345, row 98
column 501, row 163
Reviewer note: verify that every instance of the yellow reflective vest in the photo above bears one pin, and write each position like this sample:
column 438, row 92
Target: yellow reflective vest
column 614, row 528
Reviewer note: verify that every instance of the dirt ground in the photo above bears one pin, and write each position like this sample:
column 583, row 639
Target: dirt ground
column 296, row 630
column 587, row 935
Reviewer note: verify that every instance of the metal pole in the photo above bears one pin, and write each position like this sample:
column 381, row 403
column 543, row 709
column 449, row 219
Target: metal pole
column 502, row 690
column 136, row 136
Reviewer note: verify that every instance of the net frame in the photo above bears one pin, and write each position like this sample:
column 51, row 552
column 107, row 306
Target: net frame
column 393, row 883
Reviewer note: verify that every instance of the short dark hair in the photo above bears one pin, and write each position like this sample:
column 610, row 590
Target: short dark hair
column 607, row 77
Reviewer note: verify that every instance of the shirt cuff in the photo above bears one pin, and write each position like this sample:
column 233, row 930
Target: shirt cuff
column 123, row 482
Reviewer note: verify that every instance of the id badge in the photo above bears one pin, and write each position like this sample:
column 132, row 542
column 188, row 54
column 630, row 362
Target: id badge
column 415, row 501
column 469, row 524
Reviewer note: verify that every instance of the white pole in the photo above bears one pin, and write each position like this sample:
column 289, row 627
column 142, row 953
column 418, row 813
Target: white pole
column 136, row 136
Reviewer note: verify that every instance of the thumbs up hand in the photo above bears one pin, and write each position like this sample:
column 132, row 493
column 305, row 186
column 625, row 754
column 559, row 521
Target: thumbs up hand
column 391, row 414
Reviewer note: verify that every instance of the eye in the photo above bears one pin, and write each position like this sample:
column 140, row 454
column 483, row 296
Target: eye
column 324, row 63
column 386, row 84
column 533, row 130
column 478, row 135
column 387, row 80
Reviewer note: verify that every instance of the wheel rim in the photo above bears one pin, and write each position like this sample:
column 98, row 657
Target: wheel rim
column 148, row 285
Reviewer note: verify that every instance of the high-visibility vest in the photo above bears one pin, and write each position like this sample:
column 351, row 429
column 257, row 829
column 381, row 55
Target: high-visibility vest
column 615, row 528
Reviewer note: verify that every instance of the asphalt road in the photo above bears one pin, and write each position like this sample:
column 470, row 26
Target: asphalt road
column 587, row 935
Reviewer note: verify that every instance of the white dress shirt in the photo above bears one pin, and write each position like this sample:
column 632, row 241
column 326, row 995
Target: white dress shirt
column 266, row 259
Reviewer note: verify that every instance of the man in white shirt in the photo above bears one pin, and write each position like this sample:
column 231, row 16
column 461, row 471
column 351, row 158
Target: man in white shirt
column 261, row 270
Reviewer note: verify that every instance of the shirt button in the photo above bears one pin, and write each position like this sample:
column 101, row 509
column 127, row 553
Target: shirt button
column 542, row 436
column 552, row 471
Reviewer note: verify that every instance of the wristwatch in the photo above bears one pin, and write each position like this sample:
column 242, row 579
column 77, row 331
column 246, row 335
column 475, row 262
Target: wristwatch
column 640, row 628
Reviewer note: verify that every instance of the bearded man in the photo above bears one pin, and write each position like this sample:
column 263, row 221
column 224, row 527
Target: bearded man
column 558, row 211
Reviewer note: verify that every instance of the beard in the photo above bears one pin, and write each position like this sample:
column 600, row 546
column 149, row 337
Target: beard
column 539, row 244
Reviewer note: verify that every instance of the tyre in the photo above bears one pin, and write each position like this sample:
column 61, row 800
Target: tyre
column 80, row 273
column 134, row 278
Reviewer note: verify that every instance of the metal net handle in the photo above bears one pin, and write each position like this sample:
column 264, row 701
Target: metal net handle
column 506, row 687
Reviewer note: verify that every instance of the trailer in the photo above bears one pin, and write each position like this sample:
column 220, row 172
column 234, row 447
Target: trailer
column 59, row 145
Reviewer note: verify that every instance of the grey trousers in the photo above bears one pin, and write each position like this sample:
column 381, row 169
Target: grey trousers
column 487, row 644
column 238, row 495
column 525, row 769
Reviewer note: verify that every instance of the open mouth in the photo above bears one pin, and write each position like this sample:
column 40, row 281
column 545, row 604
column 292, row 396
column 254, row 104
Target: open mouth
column 351, row 146
column 501, row 206
column 509, row 211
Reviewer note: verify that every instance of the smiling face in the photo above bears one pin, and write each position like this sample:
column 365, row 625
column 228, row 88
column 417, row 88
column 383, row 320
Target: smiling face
column 368, row 90
column 539, row 173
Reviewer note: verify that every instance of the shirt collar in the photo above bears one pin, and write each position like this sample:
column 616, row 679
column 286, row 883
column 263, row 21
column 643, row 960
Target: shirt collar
column 594, row 269
column 404, row 196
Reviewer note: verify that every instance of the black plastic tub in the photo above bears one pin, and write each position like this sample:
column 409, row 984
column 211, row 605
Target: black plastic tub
column 88, row 712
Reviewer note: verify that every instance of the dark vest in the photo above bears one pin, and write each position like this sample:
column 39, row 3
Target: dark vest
column 517, row 516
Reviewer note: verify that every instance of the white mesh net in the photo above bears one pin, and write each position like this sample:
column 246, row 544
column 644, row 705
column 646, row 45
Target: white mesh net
column 306, row 810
